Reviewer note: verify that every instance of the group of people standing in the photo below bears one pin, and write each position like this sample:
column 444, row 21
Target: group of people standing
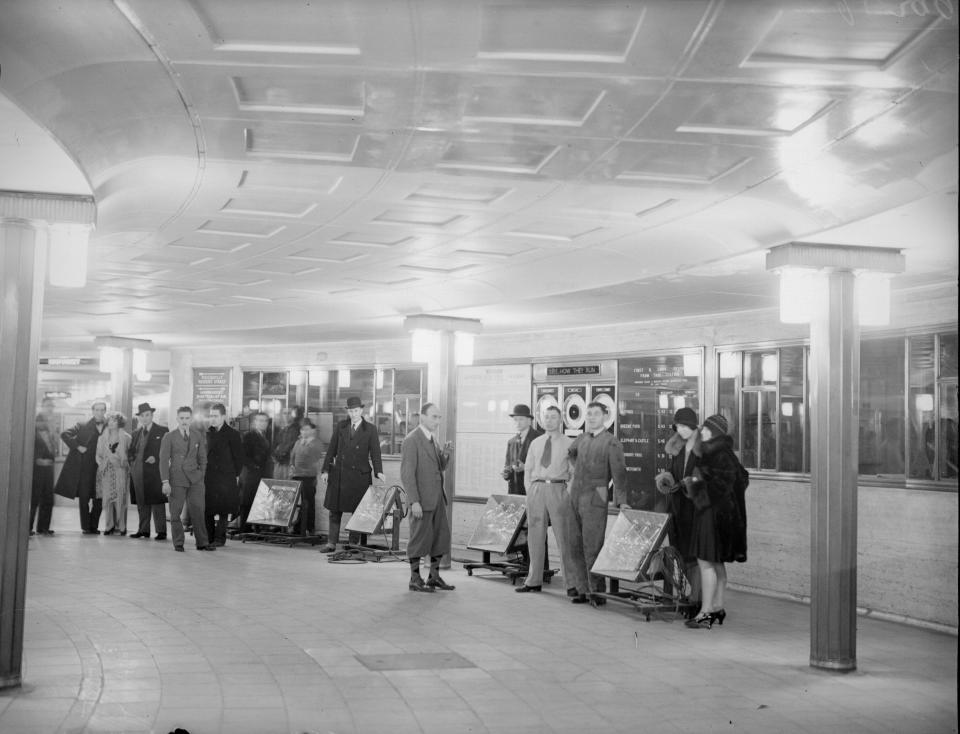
column 568, row 485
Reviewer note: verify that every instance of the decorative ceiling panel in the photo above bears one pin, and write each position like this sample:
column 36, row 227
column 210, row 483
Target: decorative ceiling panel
column 555, row 229
column 750, row 110
column 417, row 217
column 300, row 28
column 267, row 206
column 598, row 33
column 289, row 92
column 452, row 193
column 827, row 36
column 300, row 141
column 525, row 101
column 526, row 157
column 677, row 163
column 224, row 244
column 237, row 228
column 372, row 239
column 291, row 178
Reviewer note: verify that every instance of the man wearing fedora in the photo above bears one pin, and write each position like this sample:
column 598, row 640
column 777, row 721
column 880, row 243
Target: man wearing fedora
column 144, row 457
column 517, row 448
column 346, row 470
column 513, row 465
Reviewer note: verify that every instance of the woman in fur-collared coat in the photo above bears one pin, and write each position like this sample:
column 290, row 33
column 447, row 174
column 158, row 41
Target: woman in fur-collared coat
column 719, row 528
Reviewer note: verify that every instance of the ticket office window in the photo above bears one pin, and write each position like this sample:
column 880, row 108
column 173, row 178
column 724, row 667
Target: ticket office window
column 908, row 408
column 763, row 395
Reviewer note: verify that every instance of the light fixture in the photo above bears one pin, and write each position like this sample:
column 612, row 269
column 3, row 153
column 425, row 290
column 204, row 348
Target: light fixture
column 691, row 365
column 254, row 405
column 873, row 298
column 379, row 379
column 663, row 400
column 800, row 291
column 297, row 377
column 67, row 261
column 463, row 348
column 924, row 402
column 424, row 345
column 318, row 378
column 140, row 365
column 343, row 379
column 111, row 359
column 786, row 409
column 491, row 406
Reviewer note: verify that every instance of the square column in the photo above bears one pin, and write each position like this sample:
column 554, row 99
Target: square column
column 23, row 260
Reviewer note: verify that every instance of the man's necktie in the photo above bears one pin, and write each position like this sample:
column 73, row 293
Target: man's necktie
column 186, row 436
column 547, row 452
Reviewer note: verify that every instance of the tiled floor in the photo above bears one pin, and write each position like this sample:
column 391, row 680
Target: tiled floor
column 127, row 636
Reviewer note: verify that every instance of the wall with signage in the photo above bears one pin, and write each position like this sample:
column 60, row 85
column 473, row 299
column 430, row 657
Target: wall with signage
column 211, row 385
column 651, row 390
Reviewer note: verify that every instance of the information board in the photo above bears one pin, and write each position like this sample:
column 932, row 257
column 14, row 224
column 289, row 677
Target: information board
column 211, row 385
column 486, row 395
column 651, row 390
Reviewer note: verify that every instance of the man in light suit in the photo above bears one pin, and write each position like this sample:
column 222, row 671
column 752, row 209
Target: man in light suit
column 422, row 464
column 183, row 461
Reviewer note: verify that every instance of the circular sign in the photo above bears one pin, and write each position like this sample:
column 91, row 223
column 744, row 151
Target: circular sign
column 574, row 411
column 545, row 401
column 605, row 400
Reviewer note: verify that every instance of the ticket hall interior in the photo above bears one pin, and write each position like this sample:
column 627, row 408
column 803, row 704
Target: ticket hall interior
column 743, row 209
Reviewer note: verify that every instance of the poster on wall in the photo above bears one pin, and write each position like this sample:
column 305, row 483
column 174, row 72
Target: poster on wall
column 486, row 395
column 606, row 395
column 650, row 390
column 211, row 385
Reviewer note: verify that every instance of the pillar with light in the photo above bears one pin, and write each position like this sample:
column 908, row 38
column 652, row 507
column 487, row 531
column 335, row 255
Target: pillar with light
column 834, row 288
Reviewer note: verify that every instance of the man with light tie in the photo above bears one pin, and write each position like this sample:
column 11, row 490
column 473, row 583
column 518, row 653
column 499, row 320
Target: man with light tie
column 547, row 470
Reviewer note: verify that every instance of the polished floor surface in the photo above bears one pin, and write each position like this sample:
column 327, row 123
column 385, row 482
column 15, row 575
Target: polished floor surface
column 125, row 635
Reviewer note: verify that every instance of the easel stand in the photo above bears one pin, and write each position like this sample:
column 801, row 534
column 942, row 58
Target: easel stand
column 392, row 511
column 662, row 593
column 276, row 535
column 513, row 570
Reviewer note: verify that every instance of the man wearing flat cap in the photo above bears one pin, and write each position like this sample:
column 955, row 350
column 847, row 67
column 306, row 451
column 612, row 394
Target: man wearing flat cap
column 144, row 457
column 346, row 470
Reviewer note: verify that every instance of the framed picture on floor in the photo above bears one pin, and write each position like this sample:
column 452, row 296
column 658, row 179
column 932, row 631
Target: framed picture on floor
column 630, row 544
column 275, row 503
column 500, row 524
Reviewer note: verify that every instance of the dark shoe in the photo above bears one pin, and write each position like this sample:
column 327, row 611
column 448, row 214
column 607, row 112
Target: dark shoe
column 416, row 584
column 701, row 621
column 718, row 616
column 109, row 532
column 50, row 532
column 580, row 599
column 571, row 592
column 208, row 547
column 161, row 536
column 32, row 533
column 122, row 533
column 328, row 548
column 178, row 548
column 597, row 601
column 435, row 582
column 525, row 589
column 219, row 543
column 139, row 535
column 91, row 532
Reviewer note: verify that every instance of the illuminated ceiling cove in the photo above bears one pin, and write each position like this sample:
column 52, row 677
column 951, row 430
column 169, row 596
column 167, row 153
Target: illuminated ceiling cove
column 271, row 172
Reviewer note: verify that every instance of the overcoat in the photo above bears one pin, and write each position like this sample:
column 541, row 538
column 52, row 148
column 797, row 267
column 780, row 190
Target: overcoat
column 256, row 458
column 347, row 465
column 677, row 503
column 721, row 480
column 517, row 451
column 152, row 484
column 78, row 477
column 224, row 462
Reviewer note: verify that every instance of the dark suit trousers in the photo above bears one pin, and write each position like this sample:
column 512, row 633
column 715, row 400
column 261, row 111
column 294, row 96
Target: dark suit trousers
column 41, row 498
column 308, row 505
column 430, row 535
column 145, row 512
column 90, row 508
column 216, row 527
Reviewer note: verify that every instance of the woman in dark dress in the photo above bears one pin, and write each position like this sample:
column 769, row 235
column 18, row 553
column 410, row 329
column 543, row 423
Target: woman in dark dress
column 719, row 523
column 346, row 470
column 683, row 450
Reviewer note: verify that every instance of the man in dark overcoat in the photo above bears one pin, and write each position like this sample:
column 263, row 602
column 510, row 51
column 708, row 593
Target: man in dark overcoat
column 224, row 462
column 256, row 461
column 78, row 478
column 354, row 444
column 144, row 457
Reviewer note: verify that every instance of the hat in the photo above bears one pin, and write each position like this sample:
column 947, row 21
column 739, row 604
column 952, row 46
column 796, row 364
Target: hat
column 144, row 407
column 354, row 402
column 521, row 411
column 717, row 424
column 685, row 417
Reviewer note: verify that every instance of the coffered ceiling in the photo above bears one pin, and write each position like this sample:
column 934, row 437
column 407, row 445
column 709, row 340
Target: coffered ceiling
column 281, row 171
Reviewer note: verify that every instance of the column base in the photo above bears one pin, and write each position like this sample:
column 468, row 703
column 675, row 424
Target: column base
column 10, row 681
column 837, row 666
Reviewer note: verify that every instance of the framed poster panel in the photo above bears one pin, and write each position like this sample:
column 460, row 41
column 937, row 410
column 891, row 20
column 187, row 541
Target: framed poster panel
column 500, row 523
column 275, row 503
column 630, row 544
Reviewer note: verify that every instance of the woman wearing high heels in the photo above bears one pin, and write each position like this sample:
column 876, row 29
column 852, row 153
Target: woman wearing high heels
column 113, row 474
column 719, row 527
